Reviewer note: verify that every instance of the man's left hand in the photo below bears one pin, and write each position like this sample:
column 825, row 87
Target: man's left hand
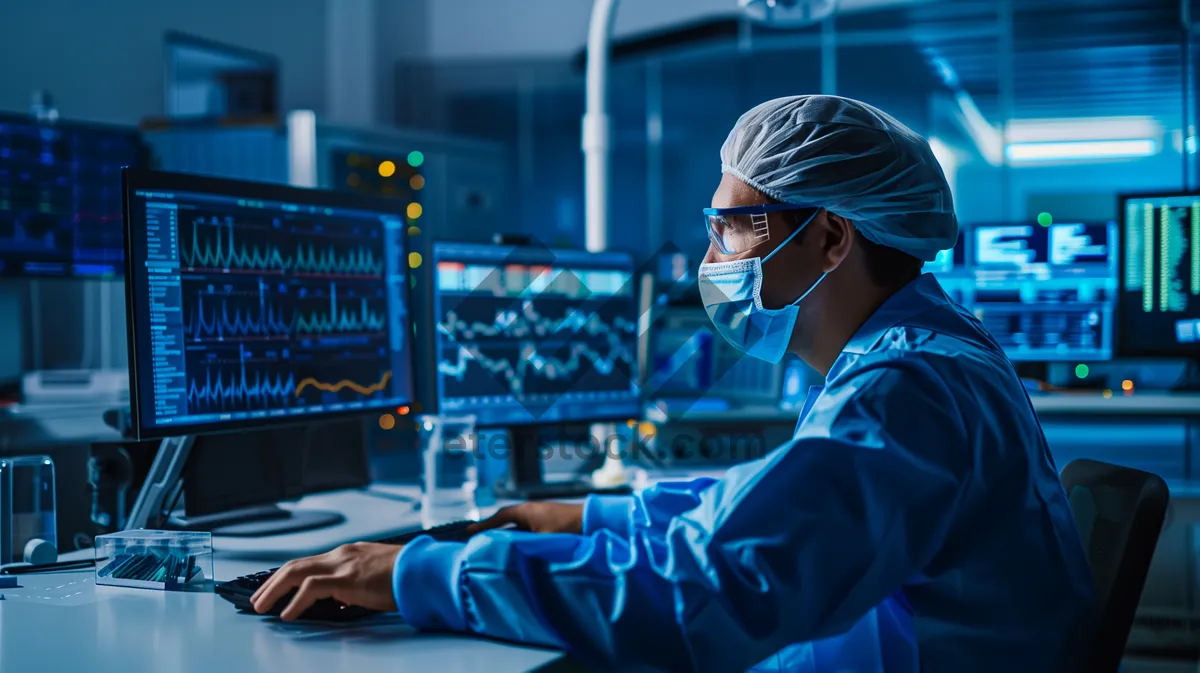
column 353, row 574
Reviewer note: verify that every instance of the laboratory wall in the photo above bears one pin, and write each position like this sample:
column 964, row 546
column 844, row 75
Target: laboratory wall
column 104, row 61
column 464, row 29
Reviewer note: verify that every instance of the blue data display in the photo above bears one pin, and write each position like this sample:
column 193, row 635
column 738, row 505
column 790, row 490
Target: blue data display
column 1010, row 245
column 258, row 309
column 1078, row 244
column 1046, row 293
column 528, row 335
column 1027, row 245
column 1161, row 275
column 60, row 197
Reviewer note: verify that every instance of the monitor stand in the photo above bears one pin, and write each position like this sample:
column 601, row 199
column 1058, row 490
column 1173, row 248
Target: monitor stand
column 161, row 490
column 525, row 475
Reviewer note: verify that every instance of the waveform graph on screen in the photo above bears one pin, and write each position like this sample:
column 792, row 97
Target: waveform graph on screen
column 529, row 369
column 253, row 309
column 240, row 387
column 214, row 243
column 550, row 334
column 331, row 309
column 355, row 382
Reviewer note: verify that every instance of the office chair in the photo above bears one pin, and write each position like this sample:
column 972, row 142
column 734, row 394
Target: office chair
column 1120, row 513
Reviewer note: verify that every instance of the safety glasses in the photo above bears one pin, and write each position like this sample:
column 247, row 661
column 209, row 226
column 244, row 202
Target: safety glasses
column 736, row 230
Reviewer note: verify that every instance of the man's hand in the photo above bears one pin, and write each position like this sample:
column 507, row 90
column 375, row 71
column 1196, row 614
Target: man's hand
column 539, row 517
column 353, row 574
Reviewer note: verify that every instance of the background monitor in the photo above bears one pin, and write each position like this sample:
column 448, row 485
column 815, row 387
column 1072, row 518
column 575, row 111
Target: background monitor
column 60, row 196
column 1046, row 293
column 1160, row 275
column 531, row 335
column 255, row 304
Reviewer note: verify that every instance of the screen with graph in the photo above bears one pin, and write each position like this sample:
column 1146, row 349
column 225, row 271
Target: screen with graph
column 60, row 196
column 1160, row 275
column 252, row 303
column 532, row 335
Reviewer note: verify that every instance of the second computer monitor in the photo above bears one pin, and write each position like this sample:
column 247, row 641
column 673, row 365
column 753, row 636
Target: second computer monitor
column 60, row 196
column 529, row 335
column 1048, row 292
column 254, row 304
column 1160, row 275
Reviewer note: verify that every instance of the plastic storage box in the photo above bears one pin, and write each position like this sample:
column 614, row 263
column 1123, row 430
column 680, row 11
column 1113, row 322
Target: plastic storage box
column 155, row 559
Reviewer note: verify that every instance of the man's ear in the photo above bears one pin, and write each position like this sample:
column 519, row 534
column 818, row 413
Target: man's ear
column 839, row 238
column 840, row 223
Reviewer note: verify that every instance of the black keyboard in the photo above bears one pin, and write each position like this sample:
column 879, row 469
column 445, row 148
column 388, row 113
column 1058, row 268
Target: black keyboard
column 239, row 591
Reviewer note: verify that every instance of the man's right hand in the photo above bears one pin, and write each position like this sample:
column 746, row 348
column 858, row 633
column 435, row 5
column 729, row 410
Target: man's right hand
column 538, row 517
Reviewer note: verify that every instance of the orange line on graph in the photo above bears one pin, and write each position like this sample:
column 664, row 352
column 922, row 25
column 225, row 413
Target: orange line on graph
column 344, row 383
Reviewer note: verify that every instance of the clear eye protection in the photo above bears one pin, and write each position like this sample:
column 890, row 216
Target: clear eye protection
column 736, row 230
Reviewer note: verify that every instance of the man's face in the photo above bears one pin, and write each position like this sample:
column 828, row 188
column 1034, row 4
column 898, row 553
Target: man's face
column 795, row 267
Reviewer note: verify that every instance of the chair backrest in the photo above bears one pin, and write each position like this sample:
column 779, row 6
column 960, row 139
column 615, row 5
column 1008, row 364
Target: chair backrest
column 1120, row 513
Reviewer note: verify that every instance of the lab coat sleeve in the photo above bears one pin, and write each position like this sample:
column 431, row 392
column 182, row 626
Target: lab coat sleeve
column 652, row 509
column 795, row 547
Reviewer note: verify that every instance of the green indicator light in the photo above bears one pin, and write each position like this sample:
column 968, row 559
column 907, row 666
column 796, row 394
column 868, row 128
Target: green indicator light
column 415, row 159
column 1081, row 371
column 1045, row 220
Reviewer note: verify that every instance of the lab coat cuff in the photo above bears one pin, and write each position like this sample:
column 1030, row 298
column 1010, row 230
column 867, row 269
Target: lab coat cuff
column 613, row 513
column 425, row 584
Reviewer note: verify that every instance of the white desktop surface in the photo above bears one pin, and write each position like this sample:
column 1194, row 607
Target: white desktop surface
column 64, row 622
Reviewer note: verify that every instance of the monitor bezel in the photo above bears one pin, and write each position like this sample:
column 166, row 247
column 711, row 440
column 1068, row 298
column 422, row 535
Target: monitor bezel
column 1121, row 348
column 133, row 180
column 435, row 388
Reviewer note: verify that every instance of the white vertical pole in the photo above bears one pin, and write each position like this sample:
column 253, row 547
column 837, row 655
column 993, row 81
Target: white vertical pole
column 596, row 125
column 654, row 156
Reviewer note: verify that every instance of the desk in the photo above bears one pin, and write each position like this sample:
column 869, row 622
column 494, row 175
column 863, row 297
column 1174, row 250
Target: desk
column 1177, row 405
column 63, row 622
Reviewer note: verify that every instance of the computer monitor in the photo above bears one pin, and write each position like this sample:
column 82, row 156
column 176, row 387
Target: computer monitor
column 255, row 305
column 1046, row 293
column 1160, row 275
column 60, row 196
column 529, row 336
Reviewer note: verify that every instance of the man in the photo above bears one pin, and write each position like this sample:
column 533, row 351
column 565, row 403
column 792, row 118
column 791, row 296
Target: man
column 915, row 523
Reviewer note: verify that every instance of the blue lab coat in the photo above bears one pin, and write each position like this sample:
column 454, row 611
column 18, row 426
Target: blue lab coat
column 916, row 522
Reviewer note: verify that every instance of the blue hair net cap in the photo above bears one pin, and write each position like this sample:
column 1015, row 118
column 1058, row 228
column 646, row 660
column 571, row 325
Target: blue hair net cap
column 851, row 159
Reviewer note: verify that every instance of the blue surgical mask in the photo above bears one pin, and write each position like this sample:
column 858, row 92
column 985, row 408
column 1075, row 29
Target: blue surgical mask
column 732, row 296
